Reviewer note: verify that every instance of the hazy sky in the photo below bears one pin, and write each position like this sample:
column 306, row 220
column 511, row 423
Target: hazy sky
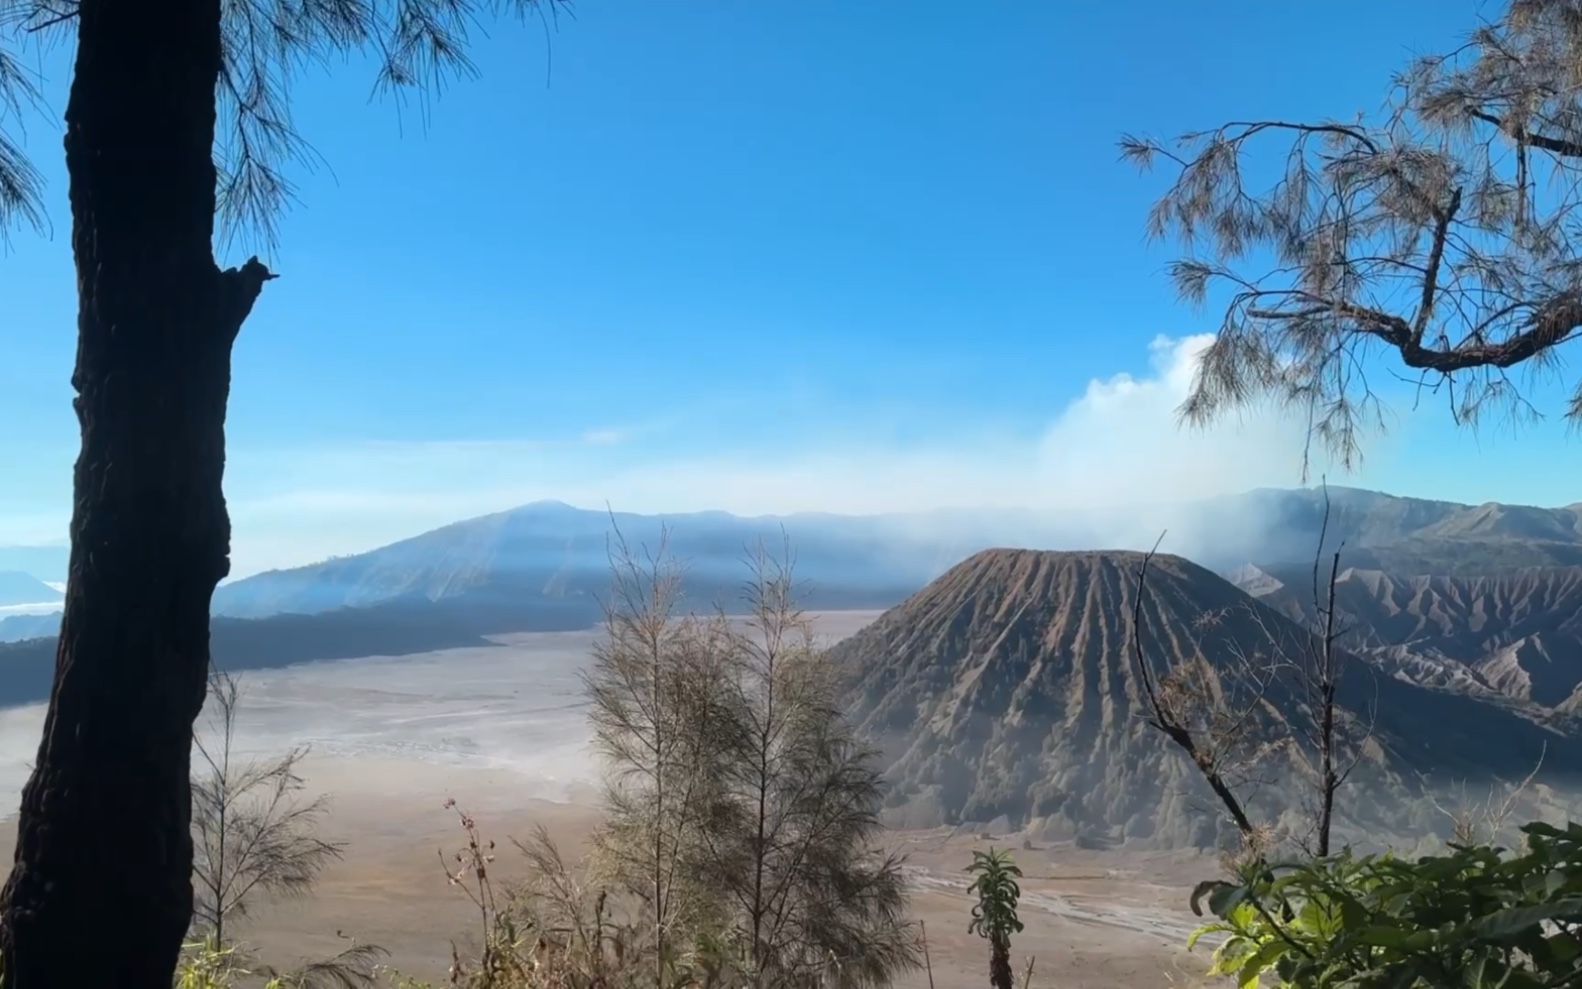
column 763, row 256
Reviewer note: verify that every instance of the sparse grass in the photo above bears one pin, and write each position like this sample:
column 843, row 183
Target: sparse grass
column 210, row 964
column 560, row 928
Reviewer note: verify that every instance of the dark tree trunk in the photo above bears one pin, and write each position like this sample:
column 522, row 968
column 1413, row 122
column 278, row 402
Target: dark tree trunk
column 1000, row 976
column 101, row 890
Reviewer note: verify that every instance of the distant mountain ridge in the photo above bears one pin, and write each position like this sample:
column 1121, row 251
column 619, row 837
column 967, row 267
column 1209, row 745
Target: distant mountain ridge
column 1403, row 536
column 396, row 628
column 18, row 588
column 544, row 566
column 16, row 628
column 549, row 550
column 552, row 549
column 998, row 682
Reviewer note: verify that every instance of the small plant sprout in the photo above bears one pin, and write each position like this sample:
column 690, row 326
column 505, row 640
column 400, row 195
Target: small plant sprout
column 994, row 915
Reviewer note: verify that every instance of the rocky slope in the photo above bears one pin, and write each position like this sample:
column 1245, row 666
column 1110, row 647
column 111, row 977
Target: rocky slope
column 1518, row 634
column 1005, row 691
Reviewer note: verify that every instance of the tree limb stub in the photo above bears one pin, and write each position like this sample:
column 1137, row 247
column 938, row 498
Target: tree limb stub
column 239, row 290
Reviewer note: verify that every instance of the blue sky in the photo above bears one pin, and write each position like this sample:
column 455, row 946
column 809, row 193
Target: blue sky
column 754, row 256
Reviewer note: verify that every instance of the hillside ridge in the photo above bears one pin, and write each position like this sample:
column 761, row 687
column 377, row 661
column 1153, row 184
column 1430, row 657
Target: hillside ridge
column 1518, row 633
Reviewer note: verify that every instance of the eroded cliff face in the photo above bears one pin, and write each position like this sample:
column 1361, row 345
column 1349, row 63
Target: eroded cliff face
column 1518, row 634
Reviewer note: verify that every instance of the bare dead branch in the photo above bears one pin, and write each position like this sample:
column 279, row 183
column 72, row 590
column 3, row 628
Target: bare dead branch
column 1165, row 713
column 1321, row 677
column 1484, row 821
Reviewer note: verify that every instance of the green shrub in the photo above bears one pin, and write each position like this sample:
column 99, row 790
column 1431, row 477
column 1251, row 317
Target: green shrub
column 1476, row 917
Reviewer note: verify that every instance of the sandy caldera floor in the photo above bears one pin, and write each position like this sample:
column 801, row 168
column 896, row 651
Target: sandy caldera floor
column 1093, row 919
column 500, row 729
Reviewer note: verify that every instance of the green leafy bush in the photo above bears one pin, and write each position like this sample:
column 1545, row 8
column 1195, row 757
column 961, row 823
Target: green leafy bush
column 1476, row 917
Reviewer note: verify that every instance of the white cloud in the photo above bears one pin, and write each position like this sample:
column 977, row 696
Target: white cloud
column 1116, row 444
column 1120, row 442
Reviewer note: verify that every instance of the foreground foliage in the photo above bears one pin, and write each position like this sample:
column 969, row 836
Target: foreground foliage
column 572, row 926
column 209, row 963
column 1477, row 916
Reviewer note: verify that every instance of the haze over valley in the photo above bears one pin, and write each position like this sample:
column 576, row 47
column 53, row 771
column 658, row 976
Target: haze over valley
column 1464, row 617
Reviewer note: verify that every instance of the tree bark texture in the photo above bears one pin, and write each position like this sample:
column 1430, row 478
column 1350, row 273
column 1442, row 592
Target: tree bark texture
column 101, row 890
column 1000, row 975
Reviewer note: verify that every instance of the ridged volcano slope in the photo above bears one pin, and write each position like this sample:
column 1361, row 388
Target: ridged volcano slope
column 1006, row 691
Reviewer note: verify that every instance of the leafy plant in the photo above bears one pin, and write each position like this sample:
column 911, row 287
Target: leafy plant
column 994, row 915
column 1479, row 916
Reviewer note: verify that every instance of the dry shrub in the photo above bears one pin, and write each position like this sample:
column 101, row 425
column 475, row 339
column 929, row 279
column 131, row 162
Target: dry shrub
column 562, row 928
column 741, row 839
